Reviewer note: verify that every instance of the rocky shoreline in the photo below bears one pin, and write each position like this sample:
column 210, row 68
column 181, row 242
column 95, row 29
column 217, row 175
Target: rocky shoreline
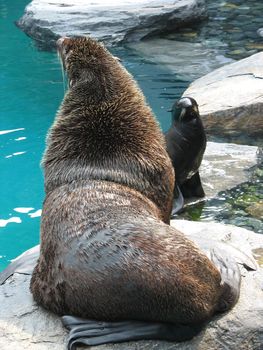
column 25, row 326
column 227, row 161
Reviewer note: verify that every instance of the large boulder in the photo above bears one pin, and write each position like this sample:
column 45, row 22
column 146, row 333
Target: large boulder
column 110, row 21
column 230, row 98
column 26, row 326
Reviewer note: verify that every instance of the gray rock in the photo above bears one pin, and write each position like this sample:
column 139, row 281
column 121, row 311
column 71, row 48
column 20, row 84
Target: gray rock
column 226, row 165
column 110, row 21
column 24, row 325
column 256, row 210
column 230, row 98
column 260, row 32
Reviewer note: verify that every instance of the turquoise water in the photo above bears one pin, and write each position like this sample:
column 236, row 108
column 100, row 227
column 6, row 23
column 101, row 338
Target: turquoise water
column 31, row 89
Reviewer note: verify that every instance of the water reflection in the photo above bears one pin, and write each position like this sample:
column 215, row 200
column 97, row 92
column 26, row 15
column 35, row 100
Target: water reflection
column 23, row 210
column 13, row 219
column 3, row 132
column 36, row 214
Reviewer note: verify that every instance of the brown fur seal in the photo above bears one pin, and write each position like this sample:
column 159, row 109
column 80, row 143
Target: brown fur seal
column 107, row 252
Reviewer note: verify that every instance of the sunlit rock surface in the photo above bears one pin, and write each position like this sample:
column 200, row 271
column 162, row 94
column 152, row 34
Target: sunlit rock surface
column 108, row 20
column 226, row 165
column 26, row 326
column 230, row 98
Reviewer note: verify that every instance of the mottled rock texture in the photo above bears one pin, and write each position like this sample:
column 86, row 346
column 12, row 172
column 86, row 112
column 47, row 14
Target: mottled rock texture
column 226, row 165
column 111, row 21
column 231, row 99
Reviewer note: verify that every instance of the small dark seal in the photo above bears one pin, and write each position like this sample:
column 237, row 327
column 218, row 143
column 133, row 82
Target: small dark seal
column 107, row 253
column 186, row 143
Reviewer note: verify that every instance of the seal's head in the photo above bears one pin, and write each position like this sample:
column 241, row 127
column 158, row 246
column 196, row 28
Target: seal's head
column 84, row 61
column 185, row 110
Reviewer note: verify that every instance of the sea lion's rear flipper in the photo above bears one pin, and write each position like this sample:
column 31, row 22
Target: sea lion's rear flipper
column 193, row 187
column 230, row 279
column 178, row 201
column 246, row 260
column 90, row 332
column 23, row 264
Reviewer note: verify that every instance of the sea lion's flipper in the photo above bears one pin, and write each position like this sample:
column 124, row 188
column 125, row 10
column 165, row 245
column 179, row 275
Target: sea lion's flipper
column 178, row 201
column 23, row 264
column 227, row 249
column 230, row 279
column 193, row 187
column 90, row 332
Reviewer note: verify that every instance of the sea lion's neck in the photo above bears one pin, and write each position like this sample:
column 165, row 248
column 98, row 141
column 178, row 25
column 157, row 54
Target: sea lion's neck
column 75, row 102
column 113, row 138
column 87, row 137
column 84, row 95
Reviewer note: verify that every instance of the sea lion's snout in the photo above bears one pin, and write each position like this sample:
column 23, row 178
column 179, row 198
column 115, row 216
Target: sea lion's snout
column 179, row 107
column 189, row 108
column 62, row 49
column 61, row 41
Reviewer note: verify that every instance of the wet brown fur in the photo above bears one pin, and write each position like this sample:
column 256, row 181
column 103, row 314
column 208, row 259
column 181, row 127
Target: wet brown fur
column 106, row 250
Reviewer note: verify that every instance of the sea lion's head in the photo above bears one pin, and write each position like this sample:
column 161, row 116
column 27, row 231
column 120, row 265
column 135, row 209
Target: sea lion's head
column 87, row 61
column 185, row 110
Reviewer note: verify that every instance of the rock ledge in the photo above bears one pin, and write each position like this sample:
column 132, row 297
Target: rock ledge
column 108, row 20
column 230, row 98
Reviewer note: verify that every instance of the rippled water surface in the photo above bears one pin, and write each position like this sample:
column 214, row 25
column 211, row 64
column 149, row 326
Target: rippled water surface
column 233, row 28
column 31, row 89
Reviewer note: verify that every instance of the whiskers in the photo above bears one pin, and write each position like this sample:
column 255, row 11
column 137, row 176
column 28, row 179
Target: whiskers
column 63, row 74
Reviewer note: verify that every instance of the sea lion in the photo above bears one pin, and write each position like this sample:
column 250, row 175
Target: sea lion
column 186, row 144
column 107, row 252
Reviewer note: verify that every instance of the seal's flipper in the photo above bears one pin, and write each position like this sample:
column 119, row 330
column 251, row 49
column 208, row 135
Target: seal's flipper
column 193, row 187
column 178, row 201
column 23, row 264
column 90, row 332
column 231, row 279
column 227, row 249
